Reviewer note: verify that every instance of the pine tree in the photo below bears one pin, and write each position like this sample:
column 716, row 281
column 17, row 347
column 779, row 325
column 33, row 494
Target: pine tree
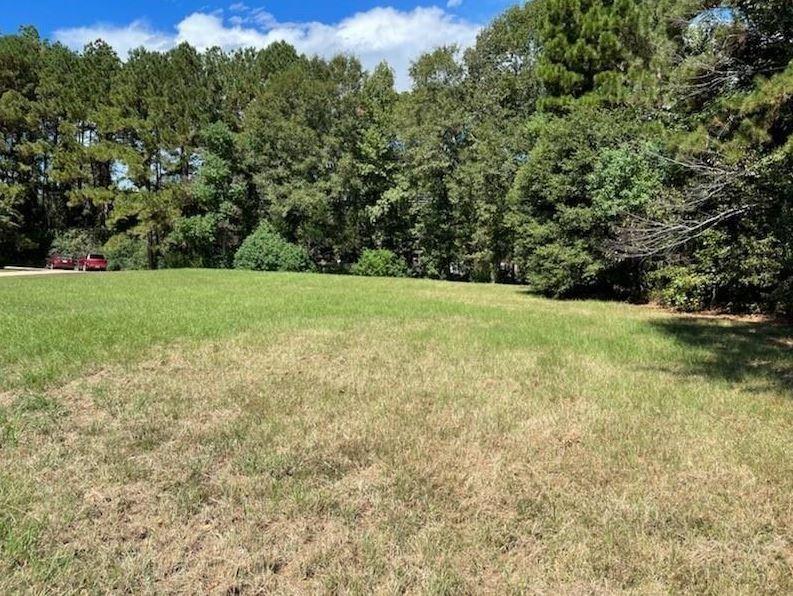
column 591, row 46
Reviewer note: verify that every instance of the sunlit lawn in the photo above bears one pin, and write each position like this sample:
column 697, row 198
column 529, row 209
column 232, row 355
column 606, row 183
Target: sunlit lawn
column 193, row 431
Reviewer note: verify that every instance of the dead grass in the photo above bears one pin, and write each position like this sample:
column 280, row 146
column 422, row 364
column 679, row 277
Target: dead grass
column 377, row 458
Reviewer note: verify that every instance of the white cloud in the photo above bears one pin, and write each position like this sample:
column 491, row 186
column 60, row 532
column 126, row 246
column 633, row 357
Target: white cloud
column 123, row 39
column 454, row 3
column 382, row 33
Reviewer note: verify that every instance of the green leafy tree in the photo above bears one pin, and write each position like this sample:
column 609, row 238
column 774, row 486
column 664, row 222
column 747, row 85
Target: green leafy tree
column 569, row 197
column 124, row 253
column 433, row 134
column 376, row 163
column 74, row 243
column 283, row 140
column 501, row 92
column 220, row 210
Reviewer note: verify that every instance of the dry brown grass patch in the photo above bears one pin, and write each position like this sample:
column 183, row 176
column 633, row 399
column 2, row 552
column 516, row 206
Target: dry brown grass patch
column 359, row 461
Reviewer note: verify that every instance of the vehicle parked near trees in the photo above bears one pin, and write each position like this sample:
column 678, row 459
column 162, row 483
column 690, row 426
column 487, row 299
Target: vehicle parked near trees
column 57, row 261
column 92, row 262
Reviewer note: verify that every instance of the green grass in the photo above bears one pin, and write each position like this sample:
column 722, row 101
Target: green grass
column 192, row 431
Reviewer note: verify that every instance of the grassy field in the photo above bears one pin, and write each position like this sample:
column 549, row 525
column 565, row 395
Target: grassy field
column 235, row 432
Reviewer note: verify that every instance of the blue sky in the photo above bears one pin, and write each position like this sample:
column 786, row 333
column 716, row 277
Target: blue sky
column 394, row 30
column 50, row 15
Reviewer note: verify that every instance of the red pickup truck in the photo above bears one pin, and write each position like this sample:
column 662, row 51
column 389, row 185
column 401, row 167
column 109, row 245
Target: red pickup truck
column 92, row 262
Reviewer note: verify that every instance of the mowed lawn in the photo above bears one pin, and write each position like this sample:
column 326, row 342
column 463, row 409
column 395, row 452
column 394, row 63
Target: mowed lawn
column 194, row 431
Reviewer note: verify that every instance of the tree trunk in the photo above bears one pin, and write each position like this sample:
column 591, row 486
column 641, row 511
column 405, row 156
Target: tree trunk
column 150, row 250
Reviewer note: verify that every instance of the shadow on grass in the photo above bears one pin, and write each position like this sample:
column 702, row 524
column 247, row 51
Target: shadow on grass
column 736, row 351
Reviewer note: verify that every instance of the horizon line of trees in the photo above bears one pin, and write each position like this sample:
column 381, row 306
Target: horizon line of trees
column 631, row 149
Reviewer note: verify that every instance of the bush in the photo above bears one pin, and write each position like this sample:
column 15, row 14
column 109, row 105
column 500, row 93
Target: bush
column 561, row 270
column 380, row 263
column 681, row 288
column 266, row 250
column 124, row 252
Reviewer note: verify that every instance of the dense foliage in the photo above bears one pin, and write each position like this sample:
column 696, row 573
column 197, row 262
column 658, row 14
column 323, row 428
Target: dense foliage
column 625, row 148
column 74, row 243
column 379, row 263
column 265, row 250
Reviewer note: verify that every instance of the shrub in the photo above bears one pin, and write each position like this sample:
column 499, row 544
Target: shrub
column 124, row 252
column 380, row 263
column 561, row 270
column 681, row 288
column 266, row 250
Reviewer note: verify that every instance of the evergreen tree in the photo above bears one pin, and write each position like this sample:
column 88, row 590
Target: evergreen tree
column 591, row 46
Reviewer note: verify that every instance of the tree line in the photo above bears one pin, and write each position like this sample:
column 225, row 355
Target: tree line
column 631, row 149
